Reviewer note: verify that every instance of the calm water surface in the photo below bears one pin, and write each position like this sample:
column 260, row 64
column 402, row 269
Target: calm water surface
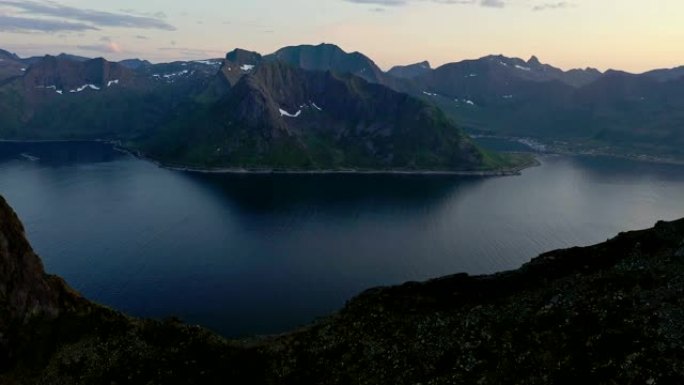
column 259, row 254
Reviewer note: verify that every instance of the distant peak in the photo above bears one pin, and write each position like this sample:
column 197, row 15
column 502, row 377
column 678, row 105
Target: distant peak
column 534, row 60
column 72, row 57
column 240, row 55
column 424, row 64
column 8, row 54
column 328, row 47
column 411, row 70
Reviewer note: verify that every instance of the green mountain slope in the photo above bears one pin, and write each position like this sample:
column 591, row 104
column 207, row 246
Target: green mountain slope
column 279, row 116
column 60, row 98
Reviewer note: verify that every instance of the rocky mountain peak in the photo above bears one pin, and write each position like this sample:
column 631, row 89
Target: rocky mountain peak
column 329, row 57
column 242, row 56
column 534, row 61
column 238, row 63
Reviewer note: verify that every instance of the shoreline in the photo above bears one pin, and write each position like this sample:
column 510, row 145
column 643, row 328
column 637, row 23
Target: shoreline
column 554, row 149
column 237, row 171
column 57, row 141
column 550, row 150
column 117, row 146
column 270, row 171
column 632, row 157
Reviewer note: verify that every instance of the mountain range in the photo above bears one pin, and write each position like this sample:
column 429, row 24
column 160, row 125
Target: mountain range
column 319, row 107
column 274, row 114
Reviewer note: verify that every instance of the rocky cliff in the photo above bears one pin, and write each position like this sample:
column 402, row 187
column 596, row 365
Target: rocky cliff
column 26, row 292
column 606, row 314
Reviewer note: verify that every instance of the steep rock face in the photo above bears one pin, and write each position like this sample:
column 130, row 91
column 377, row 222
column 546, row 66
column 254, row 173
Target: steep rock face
column 238, row 63
column 26, row 291
column 25, row 288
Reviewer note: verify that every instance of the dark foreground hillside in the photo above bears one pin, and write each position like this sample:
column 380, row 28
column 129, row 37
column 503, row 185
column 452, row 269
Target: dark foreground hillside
column 606, row 314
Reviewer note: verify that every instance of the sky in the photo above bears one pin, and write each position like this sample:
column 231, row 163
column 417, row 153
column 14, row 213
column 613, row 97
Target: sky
column 631, row 35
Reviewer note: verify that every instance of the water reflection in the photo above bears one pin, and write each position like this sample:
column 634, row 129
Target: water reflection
column 287, row 193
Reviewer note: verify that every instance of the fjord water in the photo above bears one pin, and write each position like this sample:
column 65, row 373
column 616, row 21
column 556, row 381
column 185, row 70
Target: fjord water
column 251, row 254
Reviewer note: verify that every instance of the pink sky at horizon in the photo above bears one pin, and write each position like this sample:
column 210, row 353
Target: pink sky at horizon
column 631, row 35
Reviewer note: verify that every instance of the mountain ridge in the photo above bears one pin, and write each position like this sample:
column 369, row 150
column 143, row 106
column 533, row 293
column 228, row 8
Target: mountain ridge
column 494, row 95
column 410, row 71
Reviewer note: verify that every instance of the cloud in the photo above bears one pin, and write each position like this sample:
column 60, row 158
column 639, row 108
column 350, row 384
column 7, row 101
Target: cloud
column 158, row 15
column 398, row 3
column 390, row 3
column 23, row 24
column 71, row 17
column 194, row 52
column 111, row 47
column 493, row 3
column 551, row 6
column 484, row 3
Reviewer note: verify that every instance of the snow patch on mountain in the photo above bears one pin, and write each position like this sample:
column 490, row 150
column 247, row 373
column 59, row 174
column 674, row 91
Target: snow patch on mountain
column 247, row 67
column 170, row 77
column 50, row 87
column 285, row 113
column 83, row 87
column 465, row 101
column 209, row 62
